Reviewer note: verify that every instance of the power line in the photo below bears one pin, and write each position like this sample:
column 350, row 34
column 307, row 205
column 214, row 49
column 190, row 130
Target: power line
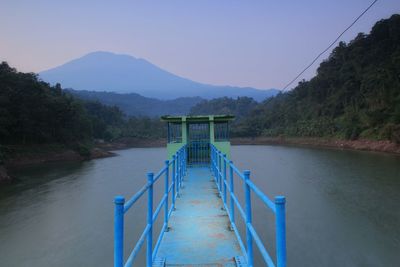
column 320, row 54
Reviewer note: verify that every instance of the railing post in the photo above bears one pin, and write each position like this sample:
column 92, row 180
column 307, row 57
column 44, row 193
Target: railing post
column 178, row 182
column 211, row 158
column 219, row 172
column 232, row 191
column 173, row 181
column 149, row 251
column 249, row 237
column 185, row 157
column 224, row 179
column 182, row 165
column 180, row 168
column 119, row 202
column 280, row 231
column 214, row 162
column 166, row 194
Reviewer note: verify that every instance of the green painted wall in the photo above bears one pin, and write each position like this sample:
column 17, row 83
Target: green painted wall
column 223, row 146
column 172, row 148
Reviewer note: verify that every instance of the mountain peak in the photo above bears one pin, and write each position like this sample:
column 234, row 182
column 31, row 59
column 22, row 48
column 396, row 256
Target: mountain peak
column 121, row 73
column 107, row 54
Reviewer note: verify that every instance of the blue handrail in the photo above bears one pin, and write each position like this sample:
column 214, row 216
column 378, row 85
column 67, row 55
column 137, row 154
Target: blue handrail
column 219, row 162
column 179, row 170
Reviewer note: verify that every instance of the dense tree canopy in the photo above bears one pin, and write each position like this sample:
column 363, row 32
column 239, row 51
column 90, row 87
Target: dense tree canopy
column 356, row 93
column 33, row 112
column 240, row 107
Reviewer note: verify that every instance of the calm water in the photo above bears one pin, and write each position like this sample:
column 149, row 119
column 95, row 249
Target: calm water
column 343, row 207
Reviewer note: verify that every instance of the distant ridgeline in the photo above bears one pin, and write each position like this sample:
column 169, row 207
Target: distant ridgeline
column 124, row 74
column 355, row 94
column 33, row 112
column 136, row 105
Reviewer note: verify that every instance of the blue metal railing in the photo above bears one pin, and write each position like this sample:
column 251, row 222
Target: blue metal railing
column 219, row 163
column 178, row 163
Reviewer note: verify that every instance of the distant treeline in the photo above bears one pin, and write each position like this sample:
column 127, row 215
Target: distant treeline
column 355, row 94
column 33, row 112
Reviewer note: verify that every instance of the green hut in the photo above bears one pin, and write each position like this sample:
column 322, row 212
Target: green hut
column 198, row 132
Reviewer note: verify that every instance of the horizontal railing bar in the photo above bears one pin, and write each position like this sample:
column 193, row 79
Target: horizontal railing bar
column 238, row 206
column 137, row 248
column 170, row 211
column 160, row 205
column 236, row 170
column 148, row 229
column 158, row 175
column 235, row 228
column 228, row 187
column 135, row 198
column 155, row 249
column 239, row 238
column 262, row 196
column 217, row 172
column 233, row 224
column 267, row 258
column 170, row 187
column 215, row 179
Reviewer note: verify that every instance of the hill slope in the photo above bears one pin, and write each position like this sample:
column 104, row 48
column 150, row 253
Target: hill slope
column 136, row 105
column 105, row 71
column 355, row 94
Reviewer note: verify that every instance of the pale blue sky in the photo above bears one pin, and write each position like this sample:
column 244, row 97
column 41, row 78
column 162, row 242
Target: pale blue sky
column 262, row 44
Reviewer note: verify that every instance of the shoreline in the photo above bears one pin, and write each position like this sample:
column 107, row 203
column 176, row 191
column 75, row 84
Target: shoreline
column 23, row 159
column 356, row 145
column 103, row 149
column 23, row 156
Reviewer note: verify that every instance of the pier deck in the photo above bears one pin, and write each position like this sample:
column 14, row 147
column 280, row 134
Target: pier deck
column 199, row 232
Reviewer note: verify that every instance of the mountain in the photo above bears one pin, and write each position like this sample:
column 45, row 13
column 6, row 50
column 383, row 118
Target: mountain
column 105, row 71
column 137, row 105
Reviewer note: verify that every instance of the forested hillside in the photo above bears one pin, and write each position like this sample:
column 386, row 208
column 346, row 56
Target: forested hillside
column 355, row 94
column 239, row 107
column 33, row 112
column 136, row 105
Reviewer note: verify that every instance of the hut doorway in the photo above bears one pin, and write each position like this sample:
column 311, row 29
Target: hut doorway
column 198, row 143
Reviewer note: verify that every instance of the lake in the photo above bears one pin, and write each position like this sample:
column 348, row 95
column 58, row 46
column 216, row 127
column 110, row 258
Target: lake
column 343, row 207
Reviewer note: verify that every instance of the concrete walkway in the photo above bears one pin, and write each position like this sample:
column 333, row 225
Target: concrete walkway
column 199, row 232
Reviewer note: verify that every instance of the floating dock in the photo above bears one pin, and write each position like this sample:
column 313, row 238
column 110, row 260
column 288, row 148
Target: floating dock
column 199, row 204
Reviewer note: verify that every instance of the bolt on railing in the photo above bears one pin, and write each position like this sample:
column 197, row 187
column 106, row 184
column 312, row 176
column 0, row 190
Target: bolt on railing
column 277, row 207
column 178, row 170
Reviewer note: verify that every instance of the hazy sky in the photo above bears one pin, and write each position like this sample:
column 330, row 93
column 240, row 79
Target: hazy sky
column 262, row 44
